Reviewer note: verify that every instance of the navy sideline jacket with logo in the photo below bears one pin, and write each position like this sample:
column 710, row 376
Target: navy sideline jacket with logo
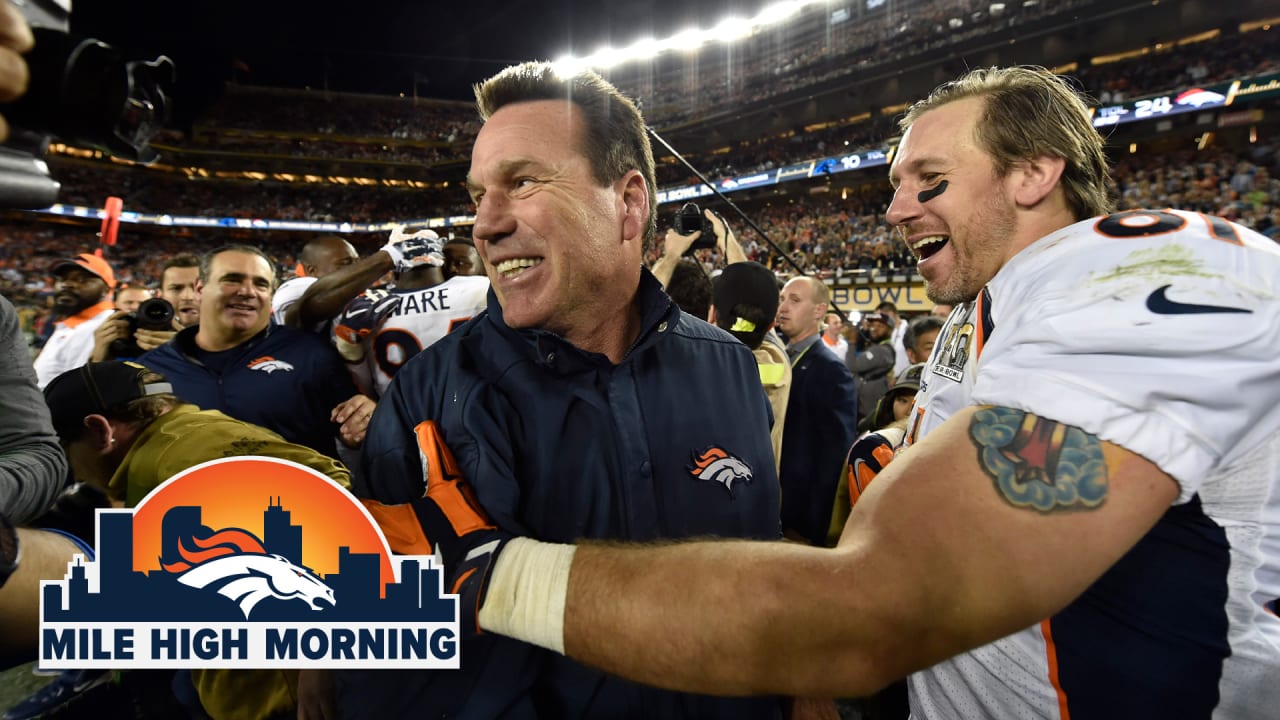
column 561, row 445
column 283, row 379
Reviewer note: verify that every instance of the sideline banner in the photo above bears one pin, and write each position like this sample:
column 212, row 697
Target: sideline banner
column 908, row 296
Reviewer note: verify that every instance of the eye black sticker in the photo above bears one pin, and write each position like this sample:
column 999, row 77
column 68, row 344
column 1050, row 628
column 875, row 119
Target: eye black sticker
column 925, row 196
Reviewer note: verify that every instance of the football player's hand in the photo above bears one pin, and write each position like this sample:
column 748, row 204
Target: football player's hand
column 412, row 250
column 460, row 532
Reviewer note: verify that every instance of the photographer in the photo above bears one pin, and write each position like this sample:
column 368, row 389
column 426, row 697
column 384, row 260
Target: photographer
column 127, row 334
column 693, row 229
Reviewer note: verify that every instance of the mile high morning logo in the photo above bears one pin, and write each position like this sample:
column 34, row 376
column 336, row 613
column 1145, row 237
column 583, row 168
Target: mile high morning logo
column 247, row 562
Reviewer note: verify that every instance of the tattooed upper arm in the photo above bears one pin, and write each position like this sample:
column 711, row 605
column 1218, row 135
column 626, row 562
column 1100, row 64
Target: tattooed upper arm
column 1039, row 463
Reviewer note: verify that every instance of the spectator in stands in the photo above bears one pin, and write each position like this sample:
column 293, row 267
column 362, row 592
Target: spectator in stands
column 83, row 300
column 319, row 257
column 871, row 360
column 461, row 258
column 178, row 286
column 237, row 361
column 822, row 414
column 579, row 348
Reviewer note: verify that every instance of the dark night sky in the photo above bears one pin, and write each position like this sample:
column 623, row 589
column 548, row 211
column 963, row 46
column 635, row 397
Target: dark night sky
column 377, row 46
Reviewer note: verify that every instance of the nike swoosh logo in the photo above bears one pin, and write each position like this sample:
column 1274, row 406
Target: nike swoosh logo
column 1161, row 305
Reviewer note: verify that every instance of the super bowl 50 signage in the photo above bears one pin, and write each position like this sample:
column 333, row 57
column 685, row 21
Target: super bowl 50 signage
column 247, row 563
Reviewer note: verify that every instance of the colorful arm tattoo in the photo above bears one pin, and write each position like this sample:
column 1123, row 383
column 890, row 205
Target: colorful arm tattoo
column 1039, row 463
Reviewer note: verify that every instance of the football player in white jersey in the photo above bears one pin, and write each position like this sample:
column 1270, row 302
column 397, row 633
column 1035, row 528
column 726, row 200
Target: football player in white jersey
column 1087, row 520
column 380, row 330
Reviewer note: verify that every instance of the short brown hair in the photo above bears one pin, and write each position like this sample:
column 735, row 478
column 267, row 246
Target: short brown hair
column 1029, row 112
column 206, row 261
column 615, row 141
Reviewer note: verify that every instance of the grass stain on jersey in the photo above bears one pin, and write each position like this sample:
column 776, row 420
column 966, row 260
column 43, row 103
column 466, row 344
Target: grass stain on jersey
column 1162, row 262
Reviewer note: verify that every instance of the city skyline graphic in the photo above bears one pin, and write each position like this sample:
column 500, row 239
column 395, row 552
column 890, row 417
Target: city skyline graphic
column 216, row 568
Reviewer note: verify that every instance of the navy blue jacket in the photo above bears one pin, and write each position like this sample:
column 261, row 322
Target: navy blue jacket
column 282, row 379
column 560, row 444
column 821, row 425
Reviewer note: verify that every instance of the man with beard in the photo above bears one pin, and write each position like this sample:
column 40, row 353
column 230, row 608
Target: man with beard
column 1086, row 523
column 83, row 300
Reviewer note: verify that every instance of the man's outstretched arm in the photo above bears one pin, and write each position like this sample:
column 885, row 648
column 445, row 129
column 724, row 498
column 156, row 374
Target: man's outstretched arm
column 936, row 559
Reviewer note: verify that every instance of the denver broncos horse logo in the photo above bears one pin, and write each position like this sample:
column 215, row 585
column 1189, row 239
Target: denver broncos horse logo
column 268, row 364
column 234, row 563
column 716, row 465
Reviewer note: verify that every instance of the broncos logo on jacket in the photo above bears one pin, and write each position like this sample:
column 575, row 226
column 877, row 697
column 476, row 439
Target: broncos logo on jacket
column 716, row 465
column 269, row 364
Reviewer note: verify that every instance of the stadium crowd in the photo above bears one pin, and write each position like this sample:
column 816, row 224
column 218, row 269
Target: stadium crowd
column 826, row 236
column 445, row 132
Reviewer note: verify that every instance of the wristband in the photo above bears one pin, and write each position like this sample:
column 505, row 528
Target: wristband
column 527, row 593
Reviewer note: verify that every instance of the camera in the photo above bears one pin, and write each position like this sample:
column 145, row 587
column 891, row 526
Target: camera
column 153, row 314
column 689, row 219
column 81, row 91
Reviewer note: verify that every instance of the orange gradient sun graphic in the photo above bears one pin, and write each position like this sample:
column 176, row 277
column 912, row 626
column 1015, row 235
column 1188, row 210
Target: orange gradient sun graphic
column 238, row 492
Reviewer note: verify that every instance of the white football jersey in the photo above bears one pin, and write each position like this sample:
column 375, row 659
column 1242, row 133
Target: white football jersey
column 1158, row 331
column 380, row 330
column 289, row 292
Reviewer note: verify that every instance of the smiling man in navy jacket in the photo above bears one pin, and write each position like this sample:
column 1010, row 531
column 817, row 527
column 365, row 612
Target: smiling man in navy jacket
column 236, row 361
column 582, row 404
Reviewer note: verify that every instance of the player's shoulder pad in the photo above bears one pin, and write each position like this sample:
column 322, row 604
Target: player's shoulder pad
column 364, row 313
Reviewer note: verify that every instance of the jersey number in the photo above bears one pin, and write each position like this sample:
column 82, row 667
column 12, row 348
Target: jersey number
column 1145, row 223
column 406, row 344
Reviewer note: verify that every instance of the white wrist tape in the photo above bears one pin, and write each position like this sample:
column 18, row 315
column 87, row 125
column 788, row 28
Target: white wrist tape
column 527, row 593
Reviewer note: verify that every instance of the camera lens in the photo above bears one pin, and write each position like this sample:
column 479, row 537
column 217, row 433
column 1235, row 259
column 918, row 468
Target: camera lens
column 155, row 314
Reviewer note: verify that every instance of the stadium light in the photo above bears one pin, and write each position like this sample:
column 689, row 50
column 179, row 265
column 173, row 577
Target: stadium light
column 686, row 40
column 643, row 49
column 733, row 28
column 777, row 12
column 729, row 29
